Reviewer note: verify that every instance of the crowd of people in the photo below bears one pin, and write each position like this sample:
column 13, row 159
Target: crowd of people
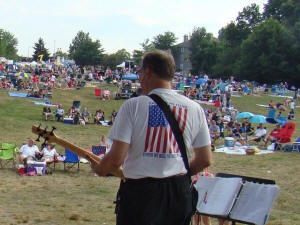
column 78, row 116
column 158, row 169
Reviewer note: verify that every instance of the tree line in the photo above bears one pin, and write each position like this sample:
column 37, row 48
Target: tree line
column 256, row 46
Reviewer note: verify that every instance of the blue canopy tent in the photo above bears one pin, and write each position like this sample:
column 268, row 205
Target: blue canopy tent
column 130, row 77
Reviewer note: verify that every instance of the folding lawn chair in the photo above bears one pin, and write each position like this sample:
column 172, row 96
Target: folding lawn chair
column 7, row 156
column 98, row 92
column 285, row 135
column 71, row 160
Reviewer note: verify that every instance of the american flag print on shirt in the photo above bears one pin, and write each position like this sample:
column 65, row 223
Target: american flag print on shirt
column 160, row 141
column 99, row 150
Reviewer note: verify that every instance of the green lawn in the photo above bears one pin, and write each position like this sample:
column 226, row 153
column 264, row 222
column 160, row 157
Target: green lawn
column 81, row 198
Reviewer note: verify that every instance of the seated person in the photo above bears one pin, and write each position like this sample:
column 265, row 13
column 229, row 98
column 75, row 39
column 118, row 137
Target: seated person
column 113, row 116
column 76, row 118
column 49, row 153
column 103, row 142
column 237, row 134
column 85, row 114
column 214, row 131
column 30, row 93
column 28, row 152
column 99, row 116
column 72, row 112
column 47, row 112
column 280, row 106
column 220, row 124
column 246, row 128
column 106, row 94
column 59, row 113
column 272, row 135
column 259, row 134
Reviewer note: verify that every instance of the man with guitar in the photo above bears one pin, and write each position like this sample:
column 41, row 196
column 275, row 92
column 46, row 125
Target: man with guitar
column 156, row 187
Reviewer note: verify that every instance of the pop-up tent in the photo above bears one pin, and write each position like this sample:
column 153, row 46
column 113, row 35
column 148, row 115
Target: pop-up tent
column 122, row 65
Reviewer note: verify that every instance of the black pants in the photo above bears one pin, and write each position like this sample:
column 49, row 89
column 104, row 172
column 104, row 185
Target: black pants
column 151, row 201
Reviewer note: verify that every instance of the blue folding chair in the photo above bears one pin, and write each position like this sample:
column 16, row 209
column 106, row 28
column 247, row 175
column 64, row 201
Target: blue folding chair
column 71, row 160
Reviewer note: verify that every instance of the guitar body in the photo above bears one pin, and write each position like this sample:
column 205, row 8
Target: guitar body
column 51, row 137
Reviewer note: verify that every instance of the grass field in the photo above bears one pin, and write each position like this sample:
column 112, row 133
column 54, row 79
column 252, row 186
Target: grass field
column 81, row 198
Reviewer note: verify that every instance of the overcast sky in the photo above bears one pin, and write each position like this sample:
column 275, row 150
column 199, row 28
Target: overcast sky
column 116, row 23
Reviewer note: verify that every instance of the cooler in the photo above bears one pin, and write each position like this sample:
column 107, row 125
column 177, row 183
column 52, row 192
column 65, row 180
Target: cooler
column 68, row 120
column 229, row 142
column 39, row 167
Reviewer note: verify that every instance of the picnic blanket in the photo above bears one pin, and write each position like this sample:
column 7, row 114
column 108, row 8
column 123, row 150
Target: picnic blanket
column 262, row 105
column 235, row 95
column 283, row 96
column 104, row 123
column 205, row 102
column 44, row 103
column 240, row 150
column 23, row 95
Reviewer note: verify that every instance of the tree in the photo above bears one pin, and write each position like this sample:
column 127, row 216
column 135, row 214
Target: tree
column 249, row 18
column 164, row 41
column 204, row 48
column 8, row 45
column 147, row 45
column 231, row 38
column 60, row 53
column 268, row 55
column 286, row 12
column 39, row 49
column 85, row 51
column 137, row 56
column 112, row 60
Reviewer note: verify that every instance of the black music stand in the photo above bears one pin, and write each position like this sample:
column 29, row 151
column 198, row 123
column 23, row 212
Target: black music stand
column 244, row 178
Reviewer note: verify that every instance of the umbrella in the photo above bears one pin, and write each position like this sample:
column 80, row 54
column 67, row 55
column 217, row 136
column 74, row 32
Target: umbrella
column 257, row 119
column 244, row 115
column 200, row 81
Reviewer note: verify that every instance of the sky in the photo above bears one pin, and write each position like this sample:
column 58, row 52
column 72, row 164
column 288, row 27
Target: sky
column 116, row 23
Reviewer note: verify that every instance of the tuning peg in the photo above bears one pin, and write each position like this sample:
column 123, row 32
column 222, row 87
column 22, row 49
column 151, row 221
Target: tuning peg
column 38, row 139
column 45, row 130
column 39, row 127
column 46, row 140
column 53, row 128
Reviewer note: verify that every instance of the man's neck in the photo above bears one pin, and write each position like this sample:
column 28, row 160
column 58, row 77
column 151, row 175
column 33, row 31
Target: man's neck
column 159, row 83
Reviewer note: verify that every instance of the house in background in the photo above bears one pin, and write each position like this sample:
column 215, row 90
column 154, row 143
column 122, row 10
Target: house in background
column 182, row 60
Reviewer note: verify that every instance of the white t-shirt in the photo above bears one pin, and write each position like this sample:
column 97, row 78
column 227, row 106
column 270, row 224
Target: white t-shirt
column 292, row 105
column 153, row 148
column 260, row 132
column 27, row 151
column 50, row 153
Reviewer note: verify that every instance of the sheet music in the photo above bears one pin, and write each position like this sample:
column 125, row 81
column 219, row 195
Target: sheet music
column 216, row 195
column 254, row 203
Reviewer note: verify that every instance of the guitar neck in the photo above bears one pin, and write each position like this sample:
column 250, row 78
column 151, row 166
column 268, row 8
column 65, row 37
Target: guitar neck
column 85, row 154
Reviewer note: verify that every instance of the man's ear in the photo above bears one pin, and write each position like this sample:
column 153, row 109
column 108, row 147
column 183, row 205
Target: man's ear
column 148, row 71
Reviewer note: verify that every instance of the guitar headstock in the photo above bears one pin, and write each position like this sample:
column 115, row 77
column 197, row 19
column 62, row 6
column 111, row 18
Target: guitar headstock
column 49, row 136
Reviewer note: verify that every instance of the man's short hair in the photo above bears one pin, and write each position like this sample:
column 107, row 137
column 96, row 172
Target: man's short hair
column 161, row 63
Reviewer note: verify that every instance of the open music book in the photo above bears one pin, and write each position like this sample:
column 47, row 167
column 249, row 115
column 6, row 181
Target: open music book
column 231, row 198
